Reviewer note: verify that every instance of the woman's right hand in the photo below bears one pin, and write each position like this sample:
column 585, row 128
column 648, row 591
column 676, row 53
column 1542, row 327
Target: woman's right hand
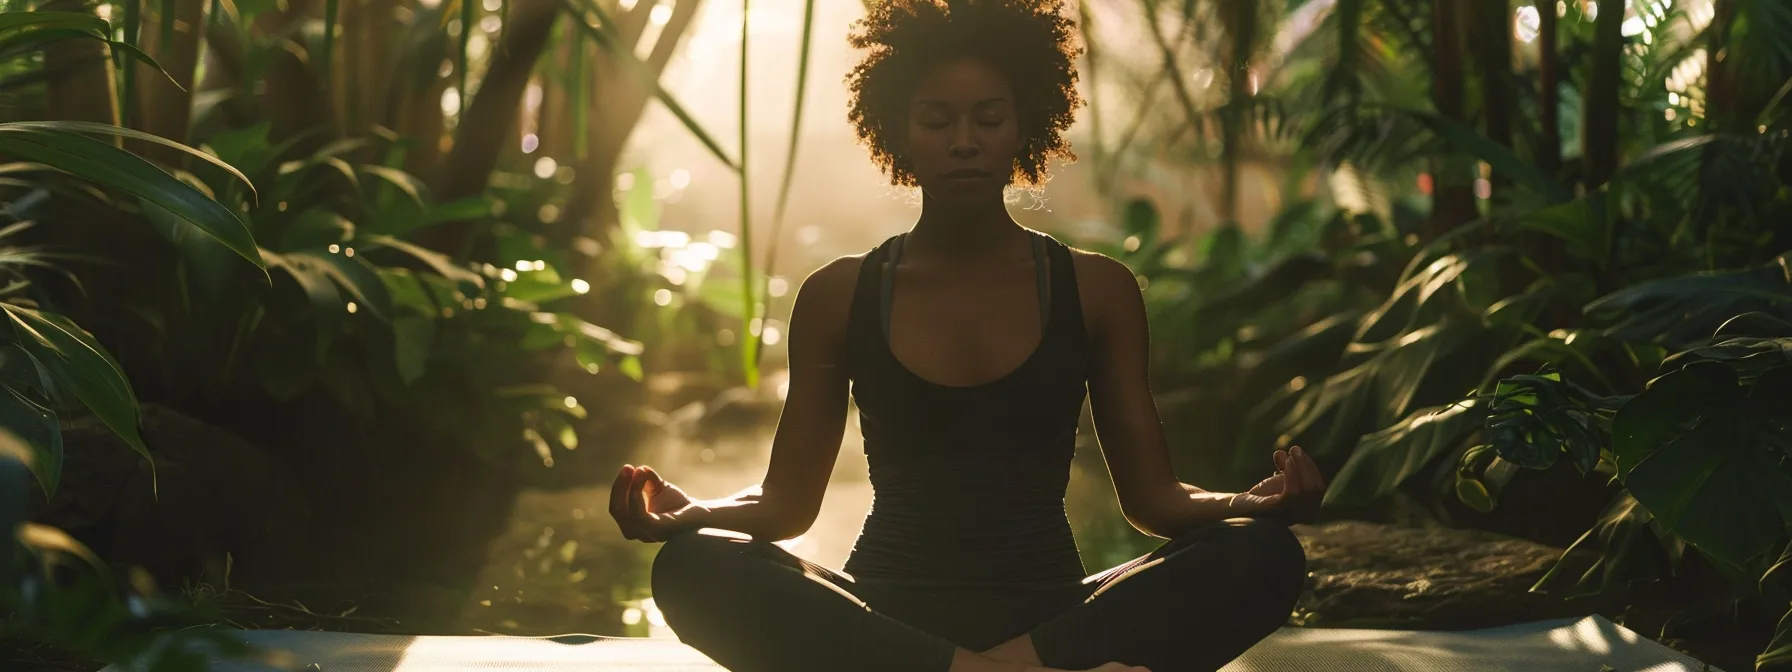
column 646, row 507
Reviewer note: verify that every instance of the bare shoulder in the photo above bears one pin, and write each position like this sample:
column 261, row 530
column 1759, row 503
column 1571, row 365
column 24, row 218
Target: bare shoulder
column 833, row 282
column 1102, row 279
column 824, row 299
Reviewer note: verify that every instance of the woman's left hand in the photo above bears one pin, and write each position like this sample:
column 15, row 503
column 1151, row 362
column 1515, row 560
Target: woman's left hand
column 1294, row 491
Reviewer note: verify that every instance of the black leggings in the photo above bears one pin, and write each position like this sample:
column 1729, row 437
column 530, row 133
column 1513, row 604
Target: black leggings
column 1195, row 603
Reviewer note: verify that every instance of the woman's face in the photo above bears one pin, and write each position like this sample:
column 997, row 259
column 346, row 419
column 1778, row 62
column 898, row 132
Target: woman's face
column 962, row 131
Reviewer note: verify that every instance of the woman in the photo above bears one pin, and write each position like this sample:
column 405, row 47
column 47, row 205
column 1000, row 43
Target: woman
column 969, row 344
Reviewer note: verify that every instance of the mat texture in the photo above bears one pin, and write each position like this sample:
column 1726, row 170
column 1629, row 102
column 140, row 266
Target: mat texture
column 1566, row 645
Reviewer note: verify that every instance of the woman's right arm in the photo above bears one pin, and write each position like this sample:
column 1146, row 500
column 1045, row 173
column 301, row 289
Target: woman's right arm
column 807, row 440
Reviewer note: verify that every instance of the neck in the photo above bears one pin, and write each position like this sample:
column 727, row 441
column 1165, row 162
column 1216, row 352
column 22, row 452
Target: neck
column 980, row 229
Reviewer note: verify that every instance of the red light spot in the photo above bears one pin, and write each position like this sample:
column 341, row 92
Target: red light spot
column 1425, row 183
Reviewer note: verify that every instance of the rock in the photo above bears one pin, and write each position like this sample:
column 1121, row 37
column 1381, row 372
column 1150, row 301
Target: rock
column 1365, row 574
column 212, row 493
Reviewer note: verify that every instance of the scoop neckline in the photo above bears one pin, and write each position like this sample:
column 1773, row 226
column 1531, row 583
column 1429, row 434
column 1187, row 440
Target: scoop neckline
column 1045, row 333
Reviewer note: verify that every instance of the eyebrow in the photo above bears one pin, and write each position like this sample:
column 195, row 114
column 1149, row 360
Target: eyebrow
column 980, row 103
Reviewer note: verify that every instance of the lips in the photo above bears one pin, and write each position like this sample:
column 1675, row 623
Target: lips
column 965, row 174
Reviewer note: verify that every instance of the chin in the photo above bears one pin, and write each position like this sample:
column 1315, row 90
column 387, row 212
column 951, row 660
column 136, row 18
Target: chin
column 965, row 194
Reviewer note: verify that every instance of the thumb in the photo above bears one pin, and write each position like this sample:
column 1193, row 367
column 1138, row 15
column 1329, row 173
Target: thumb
column 653, row 476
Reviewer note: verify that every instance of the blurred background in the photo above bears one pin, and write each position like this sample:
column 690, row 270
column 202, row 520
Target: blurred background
column 342, row 314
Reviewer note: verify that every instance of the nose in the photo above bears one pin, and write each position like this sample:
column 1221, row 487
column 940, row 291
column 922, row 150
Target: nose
column 964, row 143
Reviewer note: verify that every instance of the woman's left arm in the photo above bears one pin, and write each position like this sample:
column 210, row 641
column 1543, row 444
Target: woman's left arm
column 1131, row 433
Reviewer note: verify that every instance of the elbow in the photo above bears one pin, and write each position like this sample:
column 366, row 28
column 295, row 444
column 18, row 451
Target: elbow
column 783, row 521
column 1155, row 516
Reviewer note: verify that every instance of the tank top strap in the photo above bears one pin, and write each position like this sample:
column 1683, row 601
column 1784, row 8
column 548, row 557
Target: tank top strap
column 1066, row 301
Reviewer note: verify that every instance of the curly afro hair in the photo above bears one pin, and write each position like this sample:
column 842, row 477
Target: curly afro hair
column 1030, row 41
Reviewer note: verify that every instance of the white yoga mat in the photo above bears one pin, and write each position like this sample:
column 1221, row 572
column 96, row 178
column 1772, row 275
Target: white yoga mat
column 1565, row 645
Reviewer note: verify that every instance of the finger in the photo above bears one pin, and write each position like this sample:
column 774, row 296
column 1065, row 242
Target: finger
column 1280, row 457
column 637, row 496
column 1290, row 470
column 653, row 475
column 1311, row 476
column 619, row 491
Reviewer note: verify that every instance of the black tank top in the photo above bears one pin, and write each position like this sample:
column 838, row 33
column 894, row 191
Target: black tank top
column 968, row 482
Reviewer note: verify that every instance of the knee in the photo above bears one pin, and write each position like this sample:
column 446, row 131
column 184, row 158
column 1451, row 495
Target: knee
column 689, row 562
column 1272, row 554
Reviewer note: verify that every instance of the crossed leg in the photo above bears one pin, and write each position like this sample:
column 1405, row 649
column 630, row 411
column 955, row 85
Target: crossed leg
column 1195, row 603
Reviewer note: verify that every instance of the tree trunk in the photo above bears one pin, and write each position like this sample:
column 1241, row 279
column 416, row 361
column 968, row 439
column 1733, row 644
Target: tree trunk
column 162, row 107
column 1493, row 35
column 1241, row 21
column 592, row 209
column 1599, row 125
column 555, row 130
column 490, row 120
column 1453, row 196
column 80, row 84
column 1720, row 78
column 371, row 64
column 295, row 100
column 1549, row 95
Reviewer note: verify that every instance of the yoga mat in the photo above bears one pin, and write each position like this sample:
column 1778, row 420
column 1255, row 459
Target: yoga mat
column 1564, row 645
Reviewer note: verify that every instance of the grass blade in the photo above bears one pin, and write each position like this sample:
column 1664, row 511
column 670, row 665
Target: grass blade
column 749, row 342
column 604, row 39
column 796, row 125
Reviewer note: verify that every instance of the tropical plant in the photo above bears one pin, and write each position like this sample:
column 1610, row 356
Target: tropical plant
column 1595, row 203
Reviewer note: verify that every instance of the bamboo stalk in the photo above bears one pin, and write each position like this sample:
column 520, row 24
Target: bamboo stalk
column 749, row 353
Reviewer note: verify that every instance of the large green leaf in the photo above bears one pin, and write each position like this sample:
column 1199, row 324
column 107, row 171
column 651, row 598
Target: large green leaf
column 62, row 20
column 354, row 276
column 1622, row 548
column 96, row 128
column 1585, row 223
column 38, row 428
column 436, row 261
column 1692, row 449
column 78, row 363
column 1682, row 311
column 1385, row 459
column 1534, row 419
column 326, row 301
column 115, row 168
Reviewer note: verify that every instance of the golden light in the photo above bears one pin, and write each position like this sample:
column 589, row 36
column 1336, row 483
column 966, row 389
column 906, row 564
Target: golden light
column 579, row 285
column 1527, row 24
column 544, row 167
